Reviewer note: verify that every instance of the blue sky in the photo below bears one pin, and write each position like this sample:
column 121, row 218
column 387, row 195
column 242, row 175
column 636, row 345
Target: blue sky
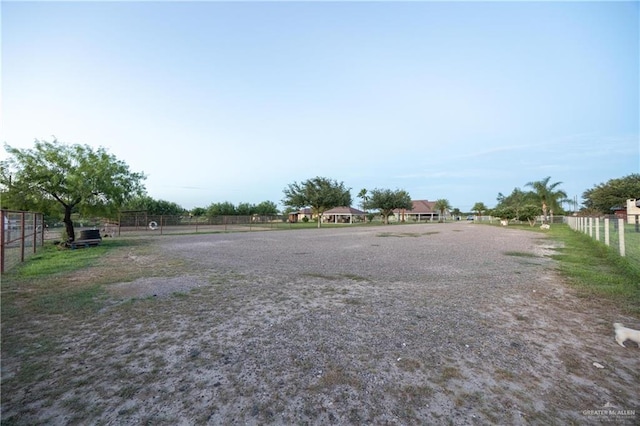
column 232, row 101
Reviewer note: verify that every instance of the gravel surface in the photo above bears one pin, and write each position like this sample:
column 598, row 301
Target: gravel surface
column 416, row 324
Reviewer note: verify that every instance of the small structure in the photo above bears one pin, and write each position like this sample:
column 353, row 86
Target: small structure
column 343, row 215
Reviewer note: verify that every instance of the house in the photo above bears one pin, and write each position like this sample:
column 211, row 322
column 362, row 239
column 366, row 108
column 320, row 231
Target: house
column 343, row 215
column 633, row 210
column 334, row 215
column 421, row 210
column 300, row 215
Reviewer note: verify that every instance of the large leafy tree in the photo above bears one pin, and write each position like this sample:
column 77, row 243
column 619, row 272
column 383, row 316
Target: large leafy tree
column 221, row 209
column 319, row 193
column 515, row 201
column 387, row 201
column 442, row 205
column 548, row 196
column 78, row 177
column 266, row 208
column 615, row 192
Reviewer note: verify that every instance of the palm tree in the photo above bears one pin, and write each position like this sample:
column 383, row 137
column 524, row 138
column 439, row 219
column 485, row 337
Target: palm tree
column 441, row 205
column 479, row 208
column 548, row 196
column 363, row 195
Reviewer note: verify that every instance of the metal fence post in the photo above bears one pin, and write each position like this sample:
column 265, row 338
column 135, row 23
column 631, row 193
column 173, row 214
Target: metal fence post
column 22, row 235
column 621, row 236
column 3, row 237
column 35, row 231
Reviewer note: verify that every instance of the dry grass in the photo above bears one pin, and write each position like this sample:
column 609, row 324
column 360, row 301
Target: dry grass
column 247, row 337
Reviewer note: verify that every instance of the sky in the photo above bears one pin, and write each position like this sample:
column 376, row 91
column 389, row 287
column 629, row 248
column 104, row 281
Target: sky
column 233, row 101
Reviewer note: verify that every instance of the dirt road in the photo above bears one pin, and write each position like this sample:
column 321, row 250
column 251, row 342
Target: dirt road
column 417, row 324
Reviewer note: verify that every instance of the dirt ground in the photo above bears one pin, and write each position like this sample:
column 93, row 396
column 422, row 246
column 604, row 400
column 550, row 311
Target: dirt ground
column 418, row 324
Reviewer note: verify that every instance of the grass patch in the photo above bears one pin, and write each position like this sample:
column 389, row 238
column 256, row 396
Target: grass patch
column 597, row 270
column 352, row 277
column 519, row 254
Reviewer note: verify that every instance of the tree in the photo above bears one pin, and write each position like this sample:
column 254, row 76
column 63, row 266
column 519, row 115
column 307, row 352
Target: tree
column 504, row 212
column 479, row 208
column 153, row 206
column 266, row 208
column 319, row 193
column 516, row 200
column 548, row 196
column 221, row 209
column 528, row 212
column 77, row 177
column 245, row 209
column 364, row 197
column 615, row 192
column 441, row 205
column 387, row 201
column 198, row 211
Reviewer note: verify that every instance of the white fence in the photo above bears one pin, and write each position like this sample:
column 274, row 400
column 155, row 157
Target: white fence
column 614, row 232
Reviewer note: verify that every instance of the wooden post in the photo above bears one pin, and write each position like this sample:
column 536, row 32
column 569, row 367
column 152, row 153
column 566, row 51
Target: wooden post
column 606, row 231
column 598, row 229
column 591, row 227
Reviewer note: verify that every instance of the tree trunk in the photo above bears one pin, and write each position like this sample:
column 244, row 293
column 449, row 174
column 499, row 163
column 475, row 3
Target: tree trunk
column 68, row 223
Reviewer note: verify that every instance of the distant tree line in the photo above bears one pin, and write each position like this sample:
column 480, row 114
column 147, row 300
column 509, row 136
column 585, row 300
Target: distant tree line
column 60, row 180
column 265, row 208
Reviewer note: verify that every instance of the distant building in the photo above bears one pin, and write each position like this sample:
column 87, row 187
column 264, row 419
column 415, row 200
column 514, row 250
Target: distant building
column 421, row 210
column 633, row 210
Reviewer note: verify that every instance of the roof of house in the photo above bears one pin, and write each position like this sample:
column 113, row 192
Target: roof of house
column 344, row 211
column 420, row 207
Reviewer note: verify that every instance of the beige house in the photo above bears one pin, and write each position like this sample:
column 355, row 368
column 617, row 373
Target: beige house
column 633, row 210
column 334, row 215
column 421, row 210
column 343, row 215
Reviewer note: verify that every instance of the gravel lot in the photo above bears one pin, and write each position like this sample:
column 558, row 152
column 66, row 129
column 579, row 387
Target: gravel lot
column 416, row 324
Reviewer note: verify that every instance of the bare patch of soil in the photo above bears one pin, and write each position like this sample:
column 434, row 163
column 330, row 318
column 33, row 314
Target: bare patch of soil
column 458, row 324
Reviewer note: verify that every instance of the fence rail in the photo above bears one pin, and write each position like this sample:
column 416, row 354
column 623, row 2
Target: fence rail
column 168, row 224
column 621, row 236
column 21, row 234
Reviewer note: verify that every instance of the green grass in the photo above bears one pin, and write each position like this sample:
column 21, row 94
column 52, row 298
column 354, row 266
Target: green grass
column 597, row 270
column 41, row 285
column 52, row 260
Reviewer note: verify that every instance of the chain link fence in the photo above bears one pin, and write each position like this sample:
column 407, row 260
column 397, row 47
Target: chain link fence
column 21, row 235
